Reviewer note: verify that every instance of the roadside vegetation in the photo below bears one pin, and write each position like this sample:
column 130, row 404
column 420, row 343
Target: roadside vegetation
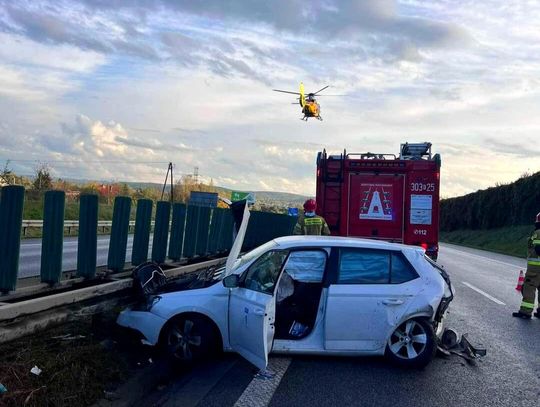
column 80, row 362
column 42, row 181
column 511, row 240
column 498, row 219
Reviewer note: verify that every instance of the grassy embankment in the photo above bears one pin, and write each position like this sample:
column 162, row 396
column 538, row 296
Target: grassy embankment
column 511, row 240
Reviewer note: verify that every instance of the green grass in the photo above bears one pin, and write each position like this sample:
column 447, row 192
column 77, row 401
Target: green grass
column 510, row 240
column 33, row 210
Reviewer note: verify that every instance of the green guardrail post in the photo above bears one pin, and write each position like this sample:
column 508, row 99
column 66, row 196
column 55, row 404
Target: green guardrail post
column 161, row 231
column 53, row 236
column 202, row 233
column 119, row 234
column 141, row 238
column 176, row 241
column 190, row 239
column 227, row 231
column 11, row 210
column 87, row 241
column 215, row 224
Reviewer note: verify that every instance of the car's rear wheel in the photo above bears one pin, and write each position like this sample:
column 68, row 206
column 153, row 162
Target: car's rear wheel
column 412, row 344
column 190, row 338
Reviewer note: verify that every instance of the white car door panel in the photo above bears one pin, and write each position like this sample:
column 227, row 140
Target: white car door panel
column 360, row 316
column 251, row 324
column 252, row 308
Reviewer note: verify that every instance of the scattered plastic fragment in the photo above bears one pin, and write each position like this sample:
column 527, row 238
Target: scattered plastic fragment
column 3, row 389
column 150, row 360
column 36, row 370
column 452, row 344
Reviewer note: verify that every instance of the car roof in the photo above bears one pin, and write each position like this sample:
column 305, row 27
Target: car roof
column 332, row 241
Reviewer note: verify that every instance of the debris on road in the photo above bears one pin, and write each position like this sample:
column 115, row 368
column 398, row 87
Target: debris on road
column 451, row 343
column 36, row 370
column 3, row 389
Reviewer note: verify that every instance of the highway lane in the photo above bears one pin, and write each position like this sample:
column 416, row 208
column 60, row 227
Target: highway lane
column 508, row 376
column 30, row 254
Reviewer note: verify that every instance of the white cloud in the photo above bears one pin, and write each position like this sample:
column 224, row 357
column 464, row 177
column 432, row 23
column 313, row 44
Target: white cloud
column 191, row 84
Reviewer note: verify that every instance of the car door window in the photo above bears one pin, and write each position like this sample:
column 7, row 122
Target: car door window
column 402, row 271
column 364, row 266
column 306, row 266
column 263, row 274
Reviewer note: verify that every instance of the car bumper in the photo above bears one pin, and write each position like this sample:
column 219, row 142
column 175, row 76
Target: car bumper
column 147, row 323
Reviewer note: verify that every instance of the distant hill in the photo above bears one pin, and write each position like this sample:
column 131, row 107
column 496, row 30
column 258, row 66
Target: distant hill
column 282, row 198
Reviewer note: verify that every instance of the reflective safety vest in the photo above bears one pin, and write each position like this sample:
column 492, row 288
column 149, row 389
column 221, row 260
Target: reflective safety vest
column 312, row 225
column 533, row 252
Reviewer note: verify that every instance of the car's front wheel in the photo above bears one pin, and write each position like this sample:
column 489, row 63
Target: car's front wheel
column 189, row 338
column 412, row 344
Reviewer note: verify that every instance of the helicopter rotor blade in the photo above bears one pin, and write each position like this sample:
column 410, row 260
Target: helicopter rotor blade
column 286, row 91
column 320, row 90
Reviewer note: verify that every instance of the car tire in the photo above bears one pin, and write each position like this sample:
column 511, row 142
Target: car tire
column 190, row 338
column 413, row 344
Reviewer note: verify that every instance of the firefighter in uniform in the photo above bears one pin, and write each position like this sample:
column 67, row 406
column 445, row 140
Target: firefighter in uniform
column 532, row 276
column 311, row 224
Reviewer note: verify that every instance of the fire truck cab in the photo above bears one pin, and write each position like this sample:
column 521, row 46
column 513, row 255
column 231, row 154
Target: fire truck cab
column 382, row 196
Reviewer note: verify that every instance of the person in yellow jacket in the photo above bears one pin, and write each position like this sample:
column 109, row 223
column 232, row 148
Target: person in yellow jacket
column 311, row 224
column 532, row 276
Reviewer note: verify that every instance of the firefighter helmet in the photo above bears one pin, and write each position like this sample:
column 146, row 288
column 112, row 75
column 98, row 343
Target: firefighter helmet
column 310, row 205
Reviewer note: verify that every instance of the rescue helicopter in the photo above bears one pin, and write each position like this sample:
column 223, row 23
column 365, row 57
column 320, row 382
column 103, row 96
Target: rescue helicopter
column 310, row 107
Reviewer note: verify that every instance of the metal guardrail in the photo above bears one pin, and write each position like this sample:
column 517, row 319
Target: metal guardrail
column 70, row 223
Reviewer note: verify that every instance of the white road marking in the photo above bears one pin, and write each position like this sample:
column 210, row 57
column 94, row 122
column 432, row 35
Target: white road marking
column 483, row 293
column 487, row 258
column 260, row 391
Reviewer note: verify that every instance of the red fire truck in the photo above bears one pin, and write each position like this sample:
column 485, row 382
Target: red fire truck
column 381, row 196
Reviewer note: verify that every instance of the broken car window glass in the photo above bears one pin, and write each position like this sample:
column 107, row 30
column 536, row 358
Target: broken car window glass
column 306, row 266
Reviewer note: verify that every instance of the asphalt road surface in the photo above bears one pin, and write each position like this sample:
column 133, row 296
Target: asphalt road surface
column 485, row 297
column 30, row 254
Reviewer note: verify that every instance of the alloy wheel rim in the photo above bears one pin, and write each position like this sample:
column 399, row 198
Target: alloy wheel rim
column 183, row 340
column 408, row 341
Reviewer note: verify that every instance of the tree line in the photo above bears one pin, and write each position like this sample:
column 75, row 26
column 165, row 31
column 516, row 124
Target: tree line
column 512, row 204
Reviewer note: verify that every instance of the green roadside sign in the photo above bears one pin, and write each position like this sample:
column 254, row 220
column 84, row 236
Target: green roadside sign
column 239, row 196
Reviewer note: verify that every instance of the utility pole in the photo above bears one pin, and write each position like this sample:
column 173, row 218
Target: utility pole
column 196, row 174
column 169, row 169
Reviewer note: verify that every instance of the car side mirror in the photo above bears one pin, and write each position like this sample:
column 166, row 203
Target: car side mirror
column 231, row 281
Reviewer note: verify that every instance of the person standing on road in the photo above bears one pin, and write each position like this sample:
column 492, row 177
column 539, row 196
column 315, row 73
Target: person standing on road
column 532, row 276
column 311, row 224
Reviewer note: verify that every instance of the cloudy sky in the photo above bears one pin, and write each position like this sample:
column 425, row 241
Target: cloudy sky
column 113, row 90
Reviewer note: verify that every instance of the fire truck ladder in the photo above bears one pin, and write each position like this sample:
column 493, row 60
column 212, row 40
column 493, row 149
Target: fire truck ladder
column 333, row 184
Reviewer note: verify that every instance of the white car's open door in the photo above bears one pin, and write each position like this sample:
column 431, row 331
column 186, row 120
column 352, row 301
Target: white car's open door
column 251, row 324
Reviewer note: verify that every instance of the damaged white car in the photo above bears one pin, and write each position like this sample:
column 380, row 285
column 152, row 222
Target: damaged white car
column 304, row 295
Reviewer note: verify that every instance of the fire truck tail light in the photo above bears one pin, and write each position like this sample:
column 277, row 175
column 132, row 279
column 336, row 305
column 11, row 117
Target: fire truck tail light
column 424, row 246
